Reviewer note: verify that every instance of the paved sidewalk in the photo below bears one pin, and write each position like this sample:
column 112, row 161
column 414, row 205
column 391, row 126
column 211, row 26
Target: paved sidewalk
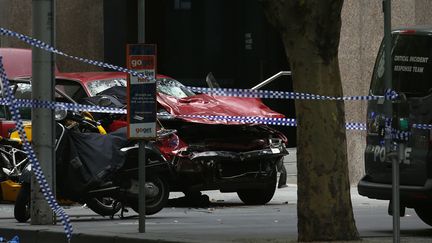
column 226, row 220
column 290, row 162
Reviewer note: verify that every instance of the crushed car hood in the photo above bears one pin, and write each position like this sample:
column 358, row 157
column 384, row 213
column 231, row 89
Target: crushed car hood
column 207, row 105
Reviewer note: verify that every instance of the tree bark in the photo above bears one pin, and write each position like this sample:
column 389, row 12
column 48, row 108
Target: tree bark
column 310, row 31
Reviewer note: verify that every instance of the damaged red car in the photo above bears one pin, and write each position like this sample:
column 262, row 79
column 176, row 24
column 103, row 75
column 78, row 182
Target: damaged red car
column 208, row 153
column 205, row 149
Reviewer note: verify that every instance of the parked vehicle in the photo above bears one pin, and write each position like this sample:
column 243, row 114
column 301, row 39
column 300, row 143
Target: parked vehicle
column 412, row 75
column 12, row 161
column 18, row 62
column 206, row 154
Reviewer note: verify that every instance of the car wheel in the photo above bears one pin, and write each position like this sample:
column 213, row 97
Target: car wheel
column 259, row 196
column 425, row 214
column 158, row 202
column 22, row 204
column 104, row 206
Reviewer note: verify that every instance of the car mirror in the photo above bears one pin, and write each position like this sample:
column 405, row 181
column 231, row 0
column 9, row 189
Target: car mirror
column 211, row 81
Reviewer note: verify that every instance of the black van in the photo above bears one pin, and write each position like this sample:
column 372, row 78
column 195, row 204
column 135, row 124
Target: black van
column 412, row 79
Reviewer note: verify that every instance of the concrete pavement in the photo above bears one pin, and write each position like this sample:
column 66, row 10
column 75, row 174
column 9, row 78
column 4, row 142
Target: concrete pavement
column 225, row 220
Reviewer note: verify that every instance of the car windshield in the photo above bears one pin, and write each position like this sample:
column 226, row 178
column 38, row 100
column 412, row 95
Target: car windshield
column 412, row 66
column 21, row 91
column 167, row 86
column 172, row 87
column 97, row 86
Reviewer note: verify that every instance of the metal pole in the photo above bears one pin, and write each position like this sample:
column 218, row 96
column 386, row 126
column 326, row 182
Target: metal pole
column 4, row 6
column 141, row 144
column 43, row 124
column 141, row 21
column 269, row 80
column 141, row 199
column 389, row 114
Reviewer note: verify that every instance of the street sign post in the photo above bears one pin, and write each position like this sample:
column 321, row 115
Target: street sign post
column 43, row 123
column 142, row 92
column 142, row 109
column 388, row 84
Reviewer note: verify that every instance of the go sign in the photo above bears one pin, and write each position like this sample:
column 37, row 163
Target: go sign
column 142, row 91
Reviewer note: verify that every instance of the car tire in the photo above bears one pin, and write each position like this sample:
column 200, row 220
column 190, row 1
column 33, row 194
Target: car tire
column 157, row 203
column 425, row 214
column 22, row 204
column 259, row 196
column 104, row 206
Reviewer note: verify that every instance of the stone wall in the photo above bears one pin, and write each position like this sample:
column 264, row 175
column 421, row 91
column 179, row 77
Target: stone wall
column 79, row 26
column 362, row 31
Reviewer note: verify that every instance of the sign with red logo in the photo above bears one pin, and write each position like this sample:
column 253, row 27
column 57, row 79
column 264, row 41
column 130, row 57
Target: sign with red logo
column 143, row 63
column 142, row 91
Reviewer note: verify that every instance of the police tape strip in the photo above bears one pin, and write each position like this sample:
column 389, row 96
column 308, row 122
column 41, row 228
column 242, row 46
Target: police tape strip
column 36, row 168
column 99, row 109
column 270, row 94
column 396, row 134
column 244, row 119
column 67, row 106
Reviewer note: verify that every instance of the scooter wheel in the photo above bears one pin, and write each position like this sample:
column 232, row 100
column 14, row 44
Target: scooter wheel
column 104, row 206
column 22, row 204
column 157, row 203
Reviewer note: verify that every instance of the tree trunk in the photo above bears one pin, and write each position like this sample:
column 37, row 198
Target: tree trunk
column 310, row 31
column 324, row 204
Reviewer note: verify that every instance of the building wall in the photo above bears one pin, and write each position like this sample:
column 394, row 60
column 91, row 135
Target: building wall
column 79, row 26
column 361, row 34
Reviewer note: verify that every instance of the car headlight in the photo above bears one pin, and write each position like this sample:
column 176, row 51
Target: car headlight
column 60, row 114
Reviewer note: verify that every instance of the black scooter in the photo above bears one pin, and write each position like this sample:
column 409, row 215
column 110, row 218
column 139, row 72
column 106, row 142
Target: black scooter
column 99, row 170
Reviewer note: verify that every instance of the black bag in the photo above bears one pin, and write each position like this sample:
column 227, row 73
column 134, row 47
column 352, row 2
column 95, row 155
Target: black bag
column 87, row 160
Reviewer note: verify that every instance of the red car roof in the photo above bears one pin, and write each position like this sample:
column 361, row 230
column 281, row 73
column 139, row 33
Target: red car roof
column 17, row 62
column 85, row 77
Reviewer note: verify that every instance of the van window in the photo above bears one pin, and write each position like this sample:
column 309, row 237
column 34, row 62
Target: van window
column 412, row 66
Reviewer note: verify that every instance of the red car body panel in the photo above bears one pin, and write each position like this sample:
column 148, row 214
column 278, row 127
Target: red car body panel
column 6, row 127
column 18, row 62
column 198, row 105
column 207, row 105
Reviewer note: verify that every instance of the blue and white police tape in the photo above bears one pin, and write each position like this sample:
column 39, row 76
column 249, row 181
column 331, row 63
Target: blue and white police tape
column 270, row 94
column 423, row 126
column 401, row 135
column 243, row 119
column 246, row 119
column 394, row 133
column 217, row 91
column 36, row 168
column 61, row 106
column 67, row 106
